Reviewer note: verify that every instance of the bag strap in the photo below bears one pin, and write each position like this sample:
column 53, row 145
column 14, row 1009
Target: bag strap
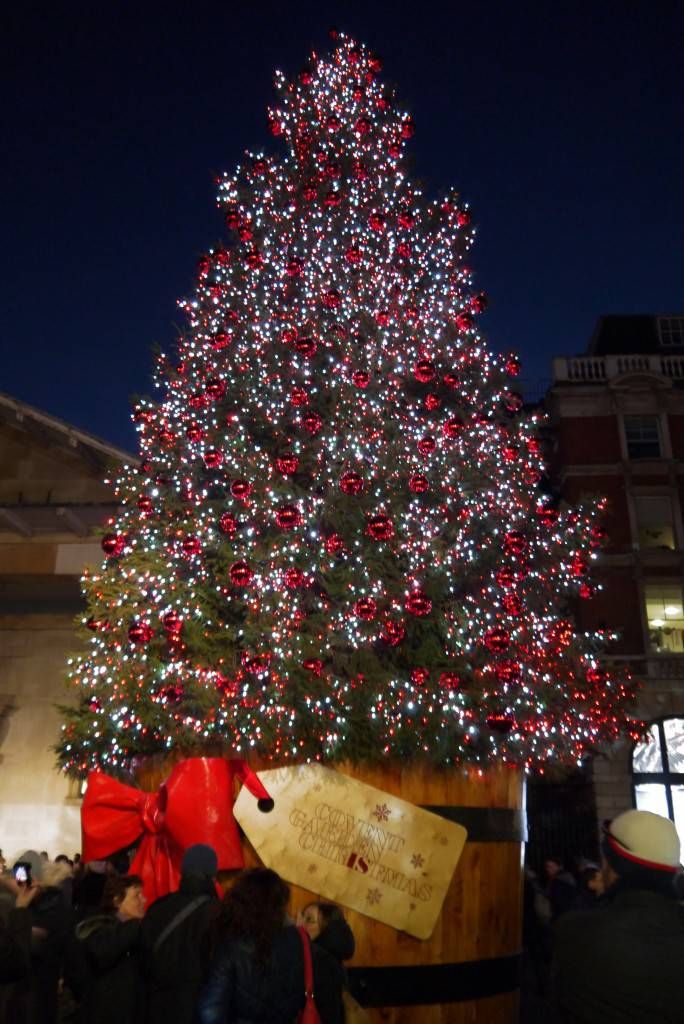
column 181, row 916
column 308, row 966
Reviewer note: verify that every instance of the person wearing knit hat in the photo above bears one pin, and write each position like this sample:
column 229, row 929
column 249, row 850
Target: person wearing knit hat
column 174, row 937
column 622, row 962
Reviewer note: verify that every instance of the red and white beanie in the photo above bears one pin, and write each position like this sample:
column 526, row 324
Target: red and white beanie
column 643, row 840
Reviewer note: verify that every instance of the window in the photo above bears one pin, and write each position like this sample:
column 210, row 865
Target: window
column 655, row 522
column 643, row 437
column 658, row 772
column 665, row 617
column 671, row 331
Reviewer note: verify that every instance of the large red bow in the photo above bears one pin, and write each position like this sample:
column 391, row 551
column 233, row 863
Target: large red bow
column 194, row 805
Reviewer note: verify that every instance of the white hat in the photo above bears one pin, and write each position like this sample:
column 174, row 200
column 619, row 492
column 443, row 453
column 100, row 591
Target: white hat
column 645, row 839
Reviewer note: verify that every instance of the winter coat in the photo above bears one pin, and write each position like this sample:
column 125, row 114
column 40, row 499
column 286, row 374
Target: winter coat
column 113, row 989
column 33, row 998
column 175, row 970
column 621, row 963
column 240, row 990
column 337, row 939
column 15, row 957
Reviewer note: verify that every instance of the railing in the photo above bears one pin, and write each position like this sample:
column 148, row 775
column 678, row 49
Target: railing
column 598, row 369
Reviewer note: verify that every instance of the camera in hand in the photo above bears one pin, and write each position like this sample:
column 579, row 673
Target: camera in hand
column 22, row 873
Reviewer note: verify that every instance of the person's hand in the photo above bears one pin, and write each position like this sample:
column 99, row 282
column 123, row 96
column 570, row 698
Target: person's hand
column 9, row 883
column 26, row 895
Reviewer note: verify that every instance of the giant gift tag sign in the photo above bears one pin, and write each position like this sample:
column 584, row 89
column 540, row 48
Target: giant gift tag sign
column 355, row 845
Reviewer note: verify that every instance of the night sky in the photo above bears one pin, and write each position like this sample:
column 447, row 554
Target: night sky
column 561, row 123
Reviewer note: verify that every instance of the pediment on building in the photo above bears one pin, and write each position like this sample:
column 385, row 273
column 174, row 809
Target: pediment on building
column 640, row 380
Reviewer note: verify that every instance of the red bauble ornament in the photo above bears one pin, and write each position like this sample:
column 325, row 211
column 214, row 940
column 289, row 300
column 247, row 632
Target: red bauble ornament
column 449, row 681
column 515, row 542
column 366, row 608
column 288, row 517
column 287, row 464
column 334, row 544
column 332, row 198
column 245, row 233
column 351, row 482
column 194, row 433
column 420, row 676
column 393, row 632
column 353, row 255
column 97, row 625
column 586, row 591
column 500, row 723
column 452, row 381
column 424, row 371
column 333, row 123
column 191, row 546
column 376, row 222
column 289, row 336
column 254, row 260
column 418, row 483
column 309, row 193
column 546, row 516
column 380, row 527
column 306, row 347
column 405, row 219
column 113, row 544
column 579, row 566
column 432, row 401
column 513, row 402
column 453, row 427
column 512, row 366
column 312, row 423
column 512, row 604
column 313, row 665
column 299, row 396
column 332, row 299
column 497, row 640
column 294, row 578
column 418, row 603
column 294, row 267
column 510, row 453
column 598, row 536
column 305, row 77
column 220, row 340
column 228, row 524
column 232, row 219
column 382, row 318
column 240, row 574
column 145, row 505
column 361, row 379
column 597, row 676
column 408, row 129
column 506, row 578
column 213, row 458
column 140, row 633
column 394, row 150
column 241, row 489
column 362, row 126
column 478, row 303
column 94, row 704
column 167, row 438
column 463, row 218
column 507, row 671
column 172, row 622
column 215, row 388
column 427, row 445
column 464, row 321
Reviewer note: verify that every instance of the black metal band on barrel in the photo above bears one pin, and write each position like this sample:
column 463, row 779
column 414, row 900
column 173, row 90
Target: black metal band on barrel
column 434, row 983
column 485, row 824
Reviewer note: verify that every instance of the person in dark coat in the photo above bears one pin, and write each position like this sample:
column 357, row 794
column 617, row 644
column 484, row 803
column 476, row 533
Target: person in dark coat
column 175, row 940
column 623, row 962
column 113, row 989
column 326, row 926
column 257, row 976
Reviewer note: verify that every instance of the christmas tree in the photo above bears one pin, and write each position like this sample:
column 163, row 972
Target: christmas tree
column 337, row 544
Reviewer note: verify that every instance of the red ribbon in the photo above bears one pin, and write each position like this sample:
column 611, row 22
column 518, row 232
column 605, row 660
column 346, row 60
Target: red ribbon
column 194, row 805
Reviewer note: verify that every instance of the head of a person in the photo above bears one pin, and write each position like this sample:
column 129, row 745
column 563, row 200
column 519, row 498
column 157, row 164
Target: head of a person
column 255, row 908
column 641, row 850
column 62, row 858
column 553, row 865
column 315, row 918
column 199, row 861
column 36, row 862
column 123, row 895
column 591, row 879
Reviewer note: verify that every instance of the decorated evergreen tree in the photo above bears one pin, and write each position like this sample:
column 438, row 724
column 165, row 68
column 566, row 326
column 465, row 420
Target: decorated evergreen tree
column 337, row 544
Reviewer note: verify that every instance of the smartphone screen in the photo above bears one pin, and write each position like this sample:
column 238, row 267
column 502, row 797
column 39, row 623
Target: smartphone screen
column 21, row 874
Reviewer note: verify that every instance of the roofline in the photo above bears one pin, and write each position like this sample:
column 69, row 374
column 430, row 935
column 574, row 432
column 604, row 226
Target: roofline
column 74, row 436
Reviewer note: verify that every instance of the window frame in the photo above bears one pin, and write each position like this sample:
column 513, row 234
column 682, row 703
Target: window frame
column 657, row 419
column 665, row 778
column 671, row 331
column 662, row 581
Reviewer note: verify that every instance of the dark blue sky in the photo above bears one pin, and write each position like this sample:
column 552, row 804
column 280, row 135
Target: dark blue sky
column 561, row 123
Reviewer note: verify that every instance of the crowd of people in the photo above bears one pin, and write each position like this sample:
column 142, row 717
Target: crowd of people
column 78, row 945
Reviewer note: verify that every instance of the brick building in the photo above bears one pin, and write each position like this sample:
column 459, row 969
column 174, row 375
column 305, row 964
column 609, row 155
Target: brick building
column 51, row 498
column 617, row 419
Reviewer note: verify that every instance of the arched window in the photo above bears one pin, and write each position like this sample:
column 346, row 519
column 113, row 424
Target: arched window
column 658, row 772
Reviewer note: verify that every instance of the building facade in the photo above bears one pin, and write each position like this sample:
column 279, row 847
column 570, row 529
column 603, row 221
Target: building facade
column 52, row 497
column 617, row 419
